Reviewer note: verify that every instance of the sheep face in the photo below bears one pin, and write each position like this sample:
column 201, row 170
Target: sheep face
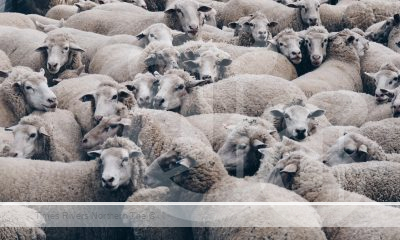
column 163, row 60
column 239, row 152
column 107, row 128
column 238, row 25
column 209, row 17
column 259, row 28
column 29, row 141
column 139, row 3
column 209, row 65
column 348, row 149
column 116, row 166
column 316, row 44
column 309, row 11
column 58, row 50
column 288, row 43
column 295, row 121
column 360, row 43
column 189, row 15
column 387, row 78
column 36, row 91
column 106, row 101
column 158, row 32
column 144, row 87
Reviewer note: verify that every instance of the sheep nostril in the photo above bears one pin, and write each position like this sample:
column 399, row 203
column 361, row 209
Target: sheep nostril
column 98, row 118
column 109, row 180
column 14, row 154
column 85, row 141
column 147, row 98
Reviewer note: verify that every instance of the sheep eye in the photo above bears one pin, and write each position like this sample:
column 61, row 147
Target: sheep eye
column 106, row 129
column 309, row 44
column 390, row 82
column 322, row 45
column 357, row 40
column 180, row 87
column 281, row 44
column 151, row 35
column 325, row 40
column 398, row 44
column 32, row 135
column 113, row 126
column 125, row 159
column 241, row 146
column 28, row 87
column 66, row 48
column 287, row 116
column 395, row 78
column 114, row 97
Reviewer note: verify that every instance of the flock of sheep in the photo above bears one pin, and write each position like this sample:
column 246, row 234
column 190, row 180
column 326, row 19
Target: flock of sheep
column 203, row 101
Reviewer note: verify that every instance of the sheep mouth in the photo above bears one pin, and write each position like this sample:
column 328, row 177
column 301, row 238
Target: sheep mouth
column 316, row 63
column 50, row 108
column 295, row 60
column 110, row 187
column 381, row 100
column 193, row 32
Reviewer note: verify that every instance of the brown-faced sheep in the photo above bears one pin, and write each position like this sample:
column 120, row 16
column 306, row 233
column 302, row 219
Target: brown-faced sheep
column 243, row 94
column 22, row 92
column 53, row 136
column 113, row 177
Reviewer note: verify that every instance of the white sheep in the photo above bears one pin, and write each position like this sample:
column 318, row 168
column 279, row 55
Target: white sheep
column 54, row 52
column 343, row 59
column 113, row 177
column 22, row 92
column 123, row 5
column 288, row 43
column 122, row 61
column 243, row 94
column 59, row 12
column 53, row 136
column 109, row 23
column 348, row 108
column 379, row 32
column 144, row 87
column 301, row 173
column 5, row 65
column 194, row 171
column 92, row 97
column 17, row 20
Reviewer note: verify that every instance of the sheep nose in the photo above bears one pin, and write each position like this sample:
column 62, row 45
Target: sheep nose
column 107, row 180
column 98, row 118
column 144, row 99
column 52, row 65
column 159, row 101
column 313, row 21
column 296, row 52
column 262, row 32
column 193, row 27
column 14, row 154
column 51, row 100
column 316, row 57
column 301, row 131
column 379, row 95
column 85, row 140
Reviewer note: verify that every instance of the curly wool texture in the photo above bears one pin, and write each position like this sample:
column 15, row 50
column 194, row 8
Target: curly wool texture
column 154, row 131
column 348, row 108
column 385, row 132
column 19, row 222
column 242, row 94
column 63, row 143
column 342, row 60
column 68, row 182
column 215, row 126
column 12, row 101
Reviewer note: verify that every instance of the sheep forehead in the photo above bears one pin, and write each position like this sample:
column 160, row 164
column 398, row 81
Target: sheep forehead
column 186, row 5
column 114, row 153
column 106, row 91
column 57, row 40
column 311, row 3
column 25, row 129
column 316, row 35
column 259, row 20
column 168, row 52
column 386, row 74
column 144, row 79
column 286, row 37
column 172, row 79
column 297, row 111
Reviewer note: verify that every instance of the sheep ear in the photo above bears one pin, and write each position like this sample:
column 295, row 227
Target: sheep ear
column 80, row 70
column 125, row 121
column 316, row 113
column 122, row 94
column 57, row 80
column 272, row 132
column 186, row 162
column 194, row 83
column 151, row 59
column 5, row 73
column 204, row 8
column 94, row 154
column 171, row 9
column 39, row 26
column 396, row 18
column 130, row 87
column 135, row 154
column 75, row 47
column 225, row 62
column 291, row 168
column 140, row 36
column 17, row 86
column 363, row 149
column 10, row 129
column 272, row 24
column 371, row 75
column 42, row 48
column 295, row 4
column 43, row 131
column 233, row 25
column 42, row 71
column 277, row 113
column 273, row 42
column 258, row 144
column 190, row 64
column 87, row 97
column 263, row 151
column 332, row 36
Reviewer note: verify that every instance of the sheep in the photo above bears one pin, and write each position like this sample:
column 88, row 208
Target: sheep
column 112, row 60
column 144, row 87
column 348, row 108
column 53, row 52
column 288, row 43
column 6, row 139
column 297, row 15
column 41, row 22
column 113, row 177
column 343, row 57
column 393, row 38
column 386, row 78
column 108, row 23
column 17, row 20
column 194, row 171
column 22, row 92
column 59, row 12
column 315, row 182
column 231, row 95
column 385, row 132
column 372, row 61
column 393, row 95
column 53, row 136
column 92, row 97
column 254, row 30
column 124, row 6
column 5, row 65
column 375, row 180
column 20, row 222
column 295, row 120
column 380, row 31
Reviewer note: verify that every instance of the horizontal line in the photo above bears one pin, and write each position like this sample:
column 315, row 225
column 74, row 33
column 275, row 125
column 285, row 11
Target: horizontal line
column 198, row 203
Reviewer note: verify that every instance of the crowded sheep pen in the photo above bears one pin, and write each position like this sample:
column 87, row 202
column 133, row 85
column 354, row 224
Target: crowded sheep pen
column 252, row 102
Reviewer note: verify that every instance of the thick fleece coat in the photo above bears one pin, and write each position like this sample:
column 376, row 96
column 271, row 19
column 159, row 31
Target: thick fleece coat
column 17, row 20
column 5, row 64
column 348, row 108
